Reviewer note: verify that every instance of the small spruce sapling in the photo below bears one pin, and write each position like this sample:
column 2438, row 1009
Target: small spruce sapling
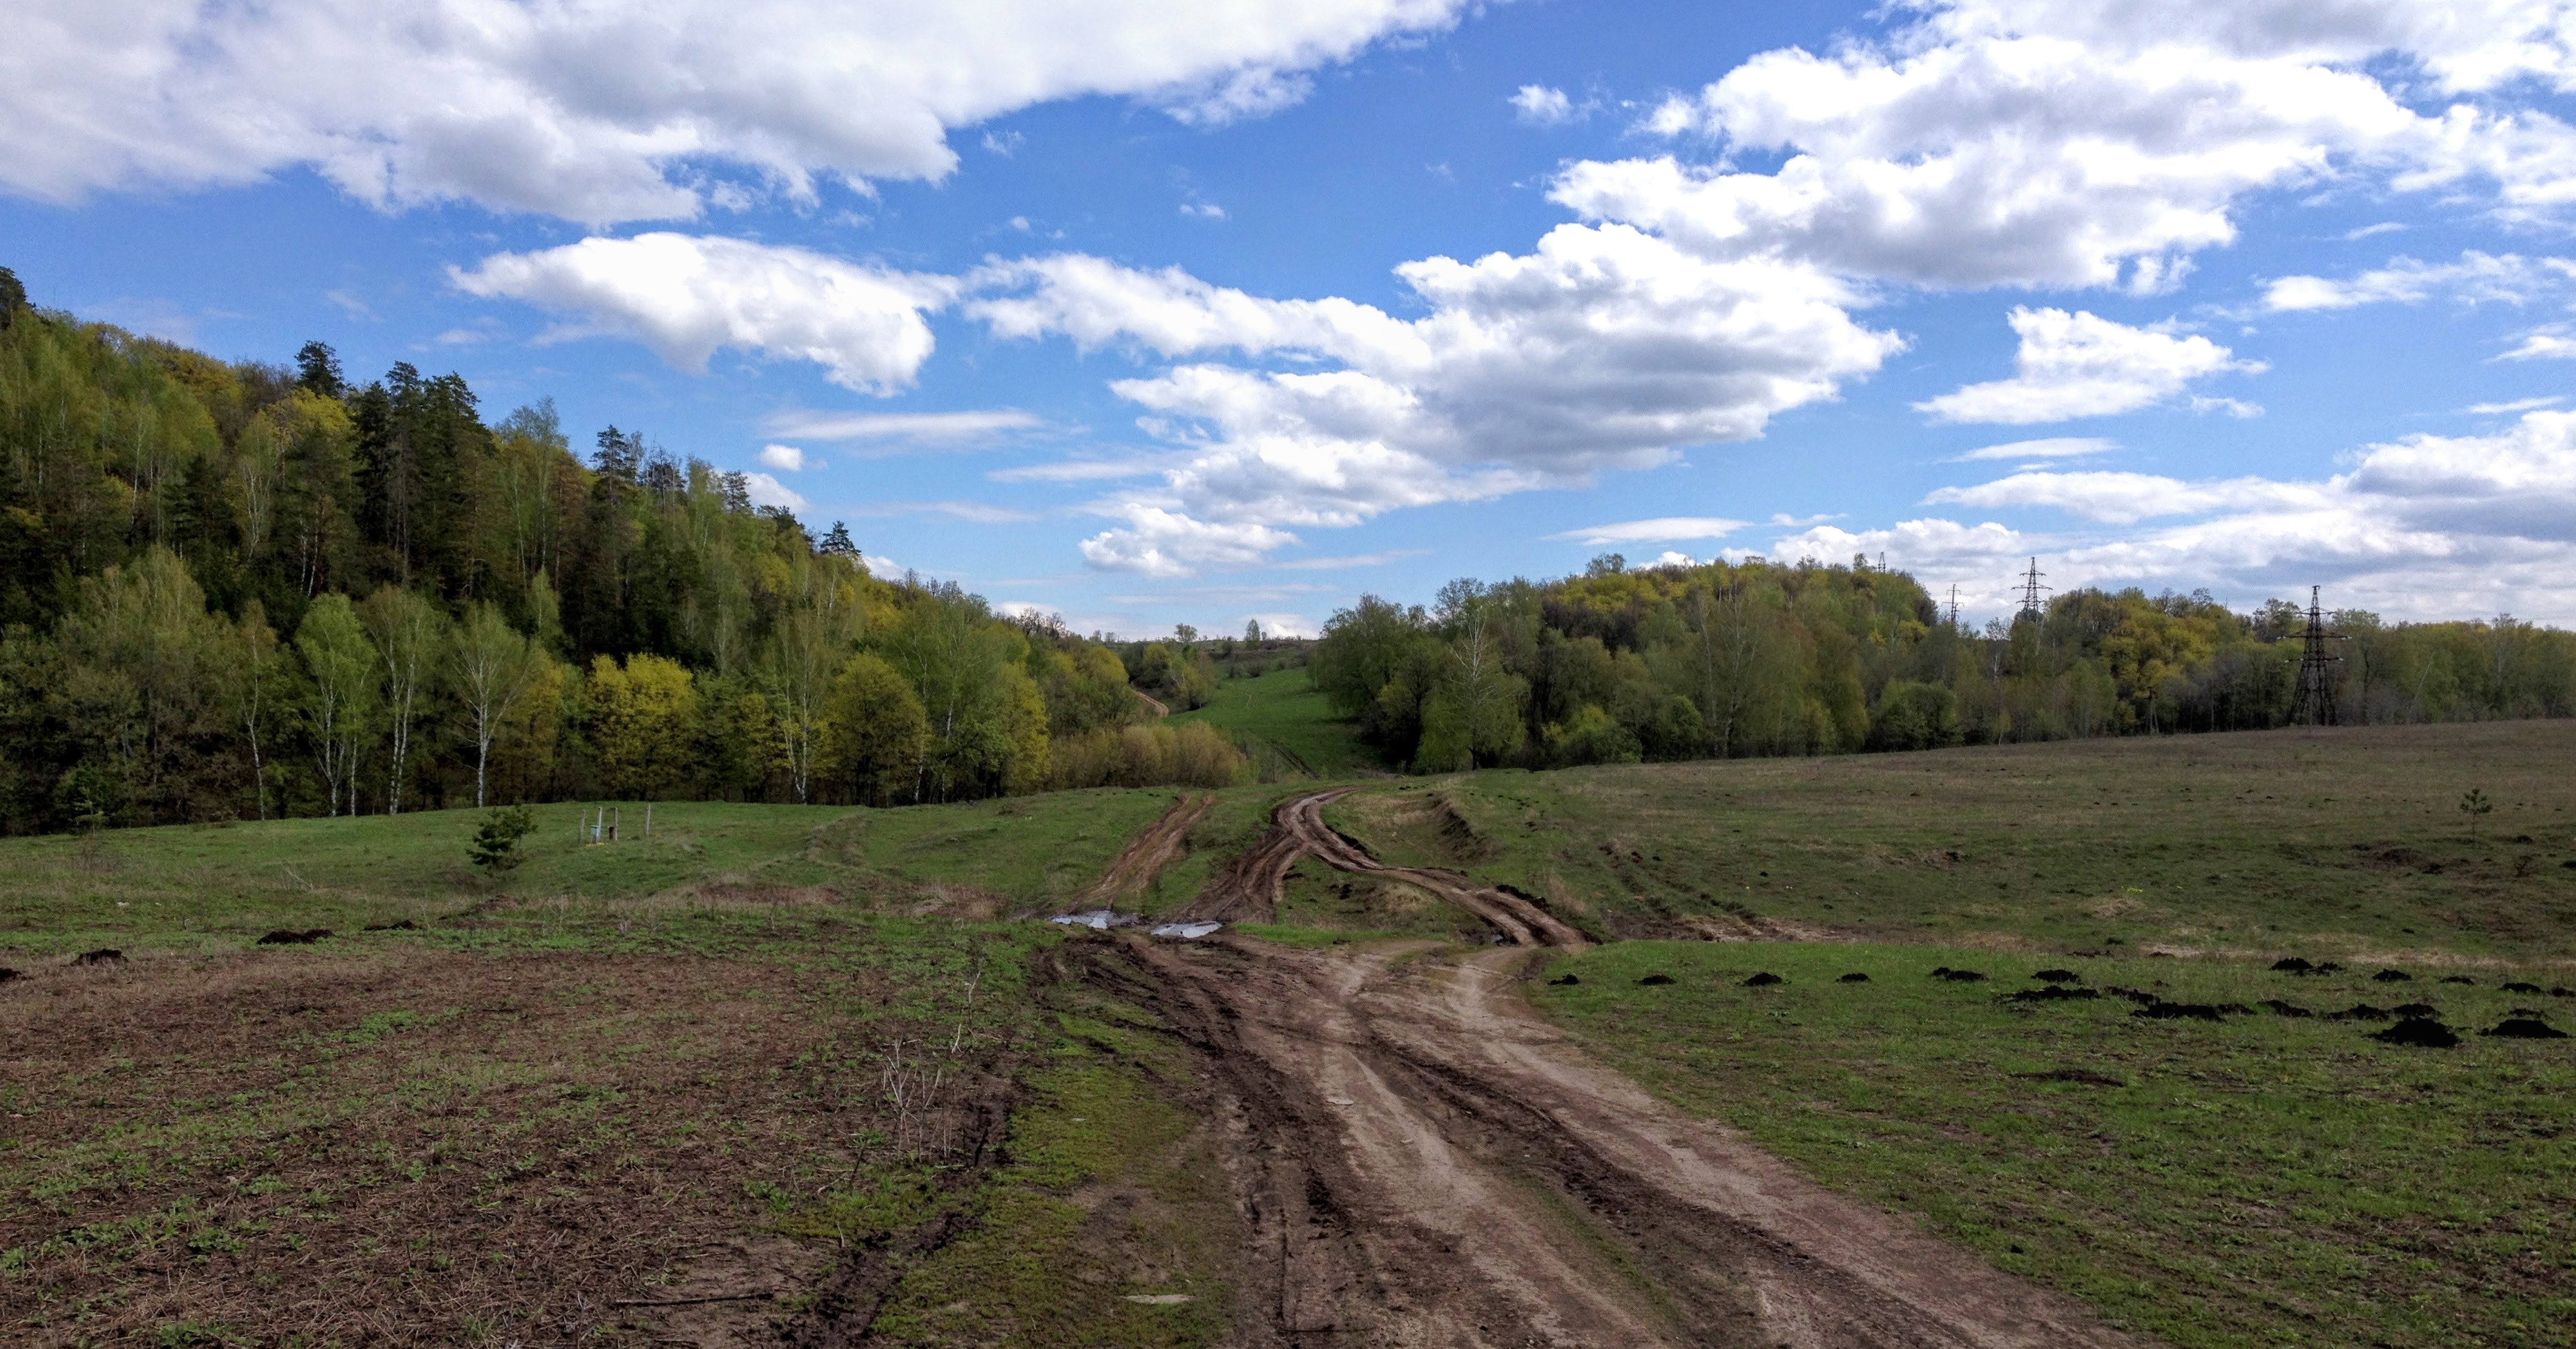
column 2473, row 804
column 496, row 840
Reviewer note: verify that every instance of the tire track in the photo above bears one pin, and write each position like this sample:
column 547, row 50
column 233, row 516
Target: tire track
column 1424, row 1162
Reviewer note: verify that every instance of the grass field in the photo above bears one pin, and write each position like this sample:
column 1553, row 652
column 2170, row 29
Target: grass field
column 2344, row 843
column 689, row 1067
column 2254, row 1181
column 1283, row 711
column 2261, row 1179
column 778, row 1030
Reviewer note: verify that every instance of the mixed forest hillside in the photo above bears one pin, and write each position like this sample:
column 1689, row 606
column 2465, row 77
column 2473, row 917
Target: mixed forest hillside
column 244, row 590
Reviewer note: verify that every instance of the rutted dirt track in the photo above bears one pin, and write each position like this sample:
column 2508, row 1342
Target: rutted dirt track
column 1425, row 1163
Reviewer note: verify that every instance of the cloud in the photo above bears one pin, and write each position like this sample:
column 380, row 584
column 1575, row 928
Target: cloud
column 931, row 428
column 2517, row 405
column 973, row 512
column 765, row 490
column 686, row 296
column 2053, row 447
column 603, row 113
column 1666, row 529
column 1348, row 563
column 2042, row 143
column 2549, row 342
column 1604, row 348
column 1540, row 105
column 1203, row 210
column 2079, row 365
column 1159, row 542
column 2476, row 277
column 1084, row 470
column 2121, row 498
column 786, row 457
column 2424, row 527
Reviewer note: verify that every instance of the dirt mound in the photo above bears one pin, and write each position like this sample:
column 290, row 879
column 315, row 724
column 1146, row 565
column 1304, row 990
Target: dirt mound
column 1656, row 980
column 2280, row 1008
column 2459, row 979
column 2518, row 986
column 8, row 975
column 2083, row 1075
column 2052, row 993
column 2421, row 1032
column 2392, row 977
column 2415, row 1009
column 2291, row 965
column 1564, row 981
column 1958, row 976
column 287, row 936
column 2526, row 1028
column 2359, row 1011
column 399, row 925
column 2059, row 976
column 1764, row 980
column 1855, row 977
column 2161, row 1010
column 105, row 955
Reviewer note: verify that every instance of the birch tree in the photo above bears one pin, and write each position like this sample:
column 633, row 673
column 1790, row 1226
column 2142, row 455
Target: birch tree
column 491, row 665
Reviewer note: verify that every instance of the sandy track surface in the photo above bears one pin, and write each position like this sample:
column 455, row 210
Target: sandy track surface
column 1426, row 1163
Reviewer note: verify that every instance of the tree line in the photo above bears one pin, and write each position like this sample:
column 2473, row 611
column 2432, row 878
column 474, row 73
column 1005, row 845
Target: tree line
column 243, row 590
column 1761, row 658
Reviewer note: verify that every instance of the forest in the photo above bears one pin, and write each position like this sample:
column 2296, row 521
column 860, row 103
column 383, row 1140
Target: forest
column 246, row 591
column 1759, row 658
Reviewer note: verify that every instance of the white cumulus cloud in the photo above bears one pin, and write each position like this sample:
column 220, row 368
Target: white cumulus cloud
column 2080, row 365
column 2087, row 144
column 601, row 113
column 685, row 296
column 786, row 457
column 2428, row 526
column 1604, row 348
column 1543, row 106
column 765, row 490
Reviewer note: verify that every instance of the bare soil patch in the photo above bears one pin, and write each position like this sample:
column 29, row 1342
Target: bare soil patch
column 428, row 1148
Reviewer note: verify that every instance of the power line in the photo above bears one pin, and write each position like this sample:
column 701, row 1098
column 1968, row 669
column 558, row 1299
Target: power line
column 1954, row 604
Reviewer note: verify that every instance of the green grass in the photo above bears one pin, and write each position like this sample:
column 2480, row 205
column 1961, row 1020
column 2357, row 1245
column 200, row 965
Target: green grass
column 217, row 887
column 1284, row 711
column 2345, row 842
column 2259, row 1181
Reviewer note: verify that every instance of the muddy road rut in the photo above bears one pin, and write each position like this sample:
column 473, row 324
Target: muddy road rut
column 1423, row 1162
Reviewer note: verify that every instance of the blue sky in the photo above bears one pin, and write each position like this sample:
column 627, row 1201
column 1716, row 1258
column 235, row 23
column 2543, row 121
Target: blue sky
column 1158, row 312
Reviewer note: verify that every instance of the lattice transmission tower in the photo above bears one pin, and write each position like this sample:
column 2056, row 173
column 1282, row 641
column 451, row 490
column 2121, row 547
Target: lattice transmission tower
column 2316, row 699
column 2031, row 590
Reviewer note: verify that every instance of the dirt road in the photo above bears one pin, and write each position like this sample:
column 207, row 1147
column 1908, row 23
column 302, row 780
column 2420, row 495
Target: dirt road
column 1425, row 1163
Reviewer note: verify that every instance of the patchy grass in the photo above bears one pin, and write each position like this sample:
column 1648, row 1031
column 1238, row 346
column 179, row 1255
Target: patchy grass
column 436, row 1147
column 2257, row 1180
column 2346, row 843
column 1285, row 713
column 1113, row 1224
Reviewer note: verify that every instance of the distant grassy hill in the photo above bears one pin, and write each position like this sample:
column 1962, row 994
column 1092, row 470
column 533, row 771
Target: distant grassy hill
column 1284, row 711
